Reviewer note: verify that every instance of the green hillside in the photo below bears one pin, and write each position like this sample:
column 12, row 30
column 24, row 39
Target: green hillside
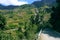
column 26, row 22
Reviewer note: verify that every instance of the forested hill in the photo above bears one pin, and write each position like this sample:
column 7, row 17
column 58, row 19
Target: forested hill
column 25, row 22
column 44, row 2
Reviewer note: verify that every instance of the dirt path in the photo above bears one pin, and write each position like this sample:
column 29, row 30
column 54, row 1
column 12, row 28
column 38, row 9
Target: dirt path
column 49, row 34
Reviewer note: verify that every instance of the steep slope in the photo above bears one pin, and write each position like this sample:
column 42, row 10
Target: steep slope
column 44, row 2
column 38, row 3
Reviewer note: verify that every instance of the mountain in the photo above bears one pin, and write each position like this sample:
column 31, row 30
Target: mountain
column 8, row 7
column 36, row 4
column 11, row 7
column 49, row 2
column 44, row 2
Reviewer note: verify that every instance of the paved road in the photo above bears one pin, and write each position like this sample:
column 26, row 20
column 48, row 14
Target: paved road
column 49, row 34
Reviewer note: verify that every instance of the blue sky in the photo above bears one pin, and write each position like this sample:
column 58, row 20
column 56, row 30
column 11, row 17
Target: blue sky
column 16, row 2
column 29, row 1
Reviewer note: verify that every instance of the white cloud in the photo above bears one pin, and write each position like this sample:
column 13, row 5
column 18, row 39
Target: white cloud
column 12, row 2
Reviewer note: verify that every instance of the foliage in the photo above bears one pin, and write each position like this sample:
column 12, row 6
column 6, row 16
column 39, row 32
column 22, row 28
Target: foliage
column 29, row 20
column 2, row 21
column 55, row 19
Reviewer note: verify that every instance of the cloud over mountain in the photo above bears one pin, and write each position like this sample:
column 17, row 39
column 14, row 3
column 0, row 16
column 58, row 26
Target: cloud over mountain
column 12, row 2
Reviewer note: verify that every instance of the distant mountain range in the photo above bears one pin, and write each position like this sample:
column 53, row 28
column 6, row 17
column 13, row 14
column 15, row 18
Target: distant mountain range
column 8, row 7
column 36, row 4
column 14, row 7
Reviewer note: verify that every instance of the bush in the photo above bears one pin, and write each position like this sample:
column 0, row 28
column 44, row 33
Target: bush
column 2, row 21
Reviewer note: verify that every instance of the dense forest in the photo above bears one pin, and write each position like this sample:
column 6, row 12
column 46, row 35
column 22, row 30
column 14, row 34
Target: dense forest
column 24, row 22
